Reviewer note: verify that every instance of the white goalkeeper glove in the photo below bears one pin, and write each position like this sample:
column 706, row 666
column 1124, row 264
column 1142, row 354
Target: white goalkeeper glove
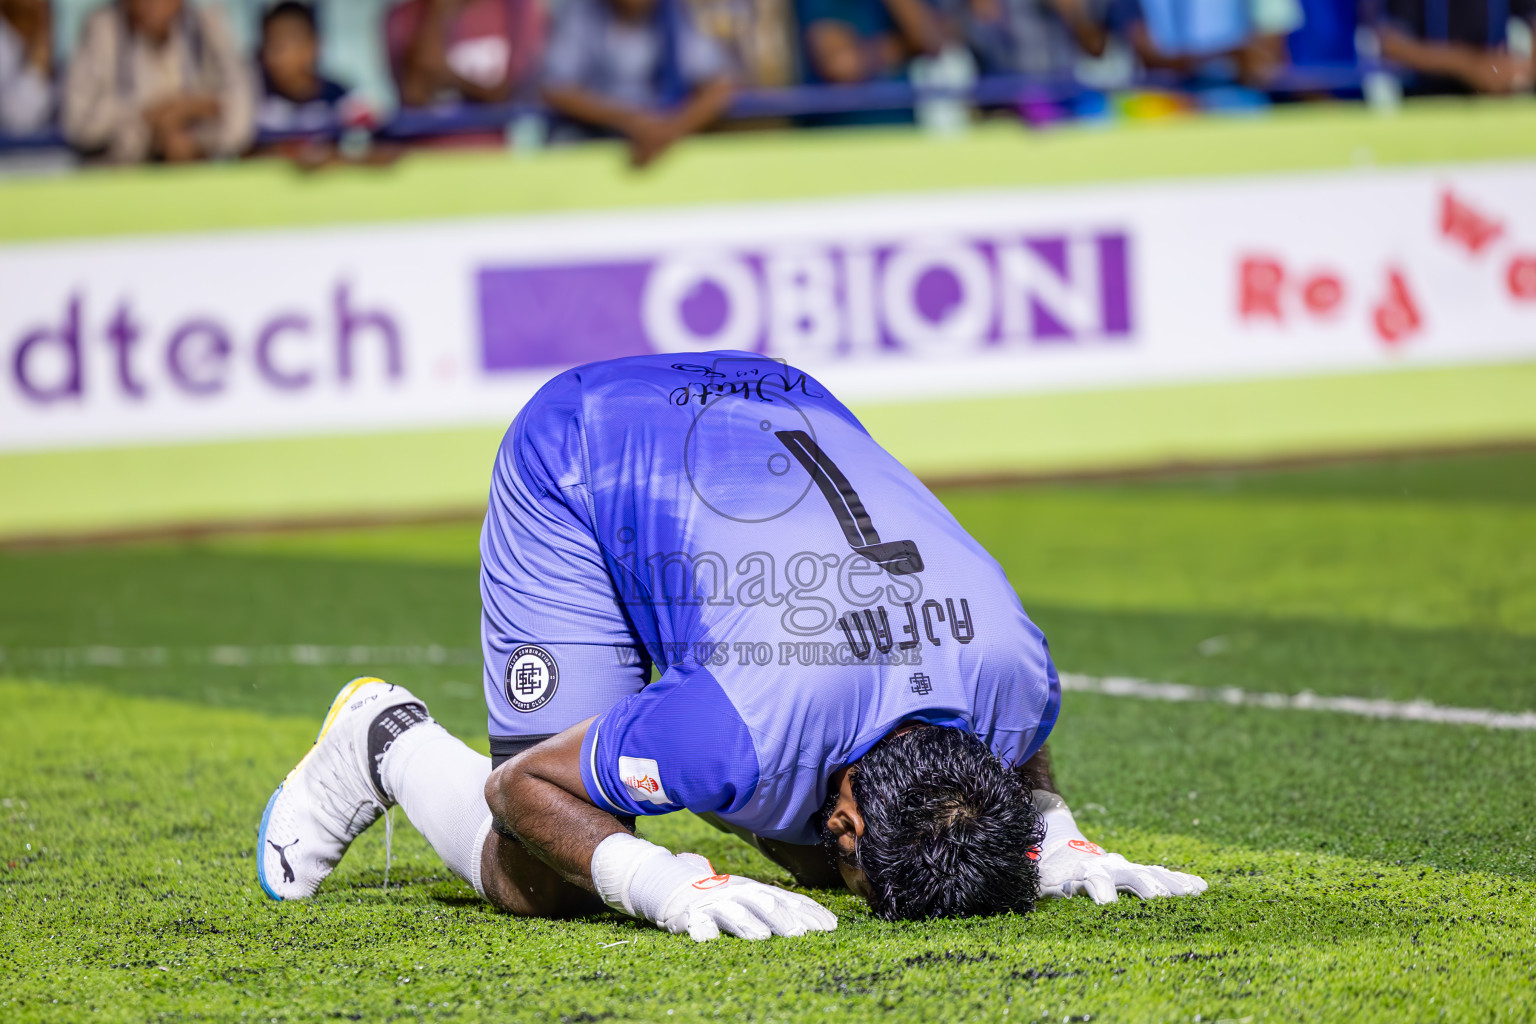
column 1070, row 864
column 682, row 893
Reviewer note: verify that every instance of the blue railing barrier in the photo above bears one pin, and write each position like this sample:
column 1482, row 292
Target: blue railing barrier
column 808, row 101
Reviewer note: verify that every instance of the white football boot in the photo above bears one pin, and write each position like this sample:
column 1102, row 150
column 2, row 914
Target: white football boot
column 329, row 798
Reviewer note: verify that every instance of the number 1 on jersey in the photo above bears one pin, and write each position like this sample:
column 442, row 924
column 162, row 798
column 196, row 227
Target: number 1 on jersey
column 898, row 557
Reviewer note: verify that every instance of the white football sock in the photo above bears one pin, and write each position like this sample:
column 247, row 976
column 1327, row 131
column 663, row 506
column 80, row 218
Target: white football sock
column 440, row 784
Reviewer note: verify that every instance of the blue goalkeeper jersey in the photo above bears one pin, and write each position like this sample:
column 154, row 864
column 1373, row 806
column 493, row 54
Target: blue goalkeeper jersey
column 799, row 590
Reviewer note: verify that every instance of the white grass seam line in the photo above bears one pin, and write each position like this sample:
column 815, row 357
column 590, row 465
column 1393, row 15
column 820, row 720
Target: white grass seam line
column 234, row 655
column 1402, row 710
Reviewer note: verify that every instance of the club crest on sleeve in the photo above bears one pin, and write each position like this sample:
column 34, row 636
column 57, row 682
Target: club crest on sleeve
column 642, row 777
column 532, row 678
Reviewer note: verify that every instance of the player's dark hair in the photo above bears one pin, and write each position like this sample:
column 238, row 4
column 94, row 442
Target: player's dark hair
column 949, row 830
column 290, row 9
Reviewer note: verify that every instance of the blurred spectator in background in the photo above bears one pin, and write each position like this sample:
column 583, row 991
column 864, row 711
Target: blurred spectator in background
column 306, row 116
column 295, row 96
column 1214, row 40
column 1327, row 35
column 849, row 41
column 481, row 51
column 639, row 69
column 1456, row 46
column 756, row 36
column 26, row 66
column 1044, row 38
column 158, row 79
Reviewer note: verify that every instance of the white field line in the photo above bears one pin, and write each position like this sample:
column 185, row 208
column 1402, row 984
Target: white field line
column 233, row 655
column 238, row 656
column 1403, row 710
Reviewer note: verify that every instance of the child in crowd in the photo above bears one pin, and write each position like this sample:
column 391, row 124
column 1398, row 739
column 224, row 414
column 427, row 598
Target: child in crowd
column 638, row 69
column 295, row 96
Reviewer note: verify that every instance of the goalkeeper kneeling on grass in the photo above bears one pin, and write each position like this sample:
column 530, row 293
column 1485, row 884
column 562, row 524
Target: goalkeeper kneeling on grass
column 846, row 679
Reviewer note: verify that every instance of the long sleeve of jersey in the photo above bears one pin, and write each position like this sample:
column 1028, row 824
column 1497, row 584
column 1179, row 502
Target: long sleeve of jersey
column 679, row 743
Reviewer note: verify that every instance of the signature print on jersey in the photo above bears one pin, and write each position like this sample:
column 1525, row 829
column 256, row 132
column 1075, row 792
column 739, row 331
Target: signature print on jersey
column 532, row 678
column 730, row 441
column 736, row 445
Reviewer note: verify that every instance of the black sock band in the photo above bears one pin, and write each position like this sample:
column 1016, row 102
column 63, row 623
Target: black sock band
column 386, row 728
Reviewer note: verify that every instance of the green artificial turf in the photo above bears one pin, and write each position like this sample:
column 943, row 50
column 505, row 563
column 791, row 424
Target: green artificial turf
column 1360, row 870
column 432, row 473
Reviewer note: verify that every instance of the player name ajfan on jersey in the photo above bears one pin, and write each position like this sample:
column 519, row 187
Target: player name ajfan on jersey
column 880, row 638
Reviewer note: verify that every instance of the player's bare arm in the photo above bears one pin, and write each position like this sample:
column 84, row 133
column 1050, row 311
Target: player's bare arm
column 548, row 878
column 540, row 798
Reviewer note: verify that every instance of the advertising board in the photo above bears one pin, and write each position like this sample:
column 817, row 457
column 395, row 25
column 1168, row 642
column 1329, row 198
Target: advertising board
column 252, row 334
